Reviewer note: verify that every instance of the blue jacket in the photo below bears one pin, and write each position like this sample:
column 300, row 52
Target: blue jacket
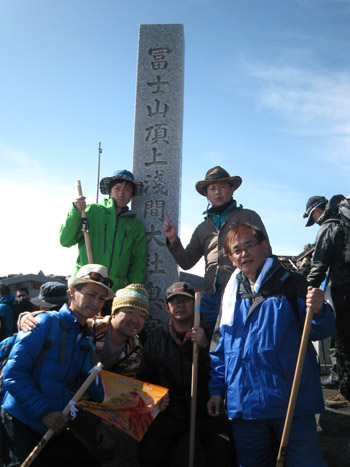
column 254, row 362
column 34, row 391
column 6, row 311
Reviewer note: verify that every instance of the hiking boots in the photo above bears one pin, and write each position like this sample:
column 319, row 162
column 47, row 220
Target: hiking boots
column 336, row 400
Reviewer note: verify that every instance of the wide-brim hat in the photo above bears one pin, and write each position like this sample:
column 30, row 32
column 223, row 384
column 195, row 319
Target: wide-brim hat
column 313, row 203
column 217, row 174
column 132, row 296
column 51, row 294
column 180, row 288
column 93, row 274
column 120, row 175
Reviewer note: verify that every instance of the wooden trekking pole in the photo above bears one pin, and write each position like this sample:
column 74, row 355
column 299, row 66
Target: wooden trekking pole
column 295, row 388
column 85, row 228
column 196, row 322
column 65, row 411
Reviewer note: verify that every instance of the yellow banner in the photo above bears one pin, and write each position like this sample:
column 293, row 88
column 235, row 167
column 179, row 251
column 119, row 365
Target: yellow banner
column 129, row 404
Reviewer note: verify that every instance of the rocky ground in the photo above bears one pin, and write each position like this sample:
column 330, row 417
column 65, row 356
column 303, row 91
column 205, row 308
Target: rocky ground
column 334, row 434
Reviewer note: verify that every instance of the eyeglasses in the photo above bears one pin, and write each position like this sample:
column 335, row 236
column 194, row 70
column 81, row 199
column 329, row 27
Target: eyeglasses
column 97, row 277
column 179, row 300
column 249, row 248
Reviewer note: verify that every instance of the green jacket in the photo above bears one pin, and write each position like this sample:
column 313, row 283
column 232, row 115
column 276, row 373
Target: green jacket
column 119, row 243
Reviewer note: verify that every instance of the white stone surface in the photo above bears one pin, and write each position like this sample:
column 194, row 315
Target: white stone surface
column 158, row 147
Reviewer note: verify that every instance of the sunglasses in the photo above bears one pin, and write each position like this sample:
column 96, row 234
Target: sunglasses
column 97, row 277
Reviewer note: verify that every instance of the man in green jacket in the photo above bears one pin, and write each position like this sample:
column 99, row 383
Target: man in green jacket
column 117, row 236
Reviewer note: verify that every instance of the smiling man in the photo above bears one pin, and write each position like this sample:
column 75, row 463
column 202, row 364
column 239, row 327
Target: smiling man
column 208, row 238
column 254, row 355
column 117, row 236
column 39, row 385
column 116, row 337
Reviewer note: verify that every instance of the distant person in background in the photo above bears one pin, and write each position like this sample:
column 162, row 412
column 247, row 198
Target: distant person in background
column 23, row 301
column 52, row 296
column 315, row 207
column 23, row 292
column 324, row 213
column 117, row 236
column 330, row 259
column 208, row 239
column 6, row 311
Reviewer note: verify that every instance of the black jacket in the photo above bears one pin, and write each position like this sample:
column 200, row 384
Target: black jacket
column 329, row 253
column 168, row 364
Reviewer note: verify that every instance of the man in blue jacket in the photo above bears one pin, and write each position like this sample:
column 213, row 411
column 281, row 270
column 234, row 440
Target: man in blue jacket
column 254, row 358
column 37, row 389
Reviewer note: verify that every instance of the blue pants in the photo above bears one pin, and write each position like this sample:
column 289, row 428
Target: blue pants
column 257, row 442
column 210, row 305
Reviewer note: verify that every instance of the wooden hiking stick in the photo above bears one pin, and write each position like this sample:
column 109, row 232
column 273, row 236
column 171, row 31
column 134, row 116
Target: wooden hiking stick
column 85, row 228
column 295, row 388
column 65, row 411
column 194, row 381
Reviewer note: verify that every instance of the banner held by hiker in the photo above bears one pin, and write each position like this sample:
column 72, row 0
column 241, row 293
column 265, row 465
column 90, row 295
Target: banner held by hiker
column 129, row 404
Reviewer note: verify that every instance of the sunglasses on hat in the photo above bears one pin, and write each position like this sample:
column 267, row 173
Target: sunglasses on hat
column 97, row 277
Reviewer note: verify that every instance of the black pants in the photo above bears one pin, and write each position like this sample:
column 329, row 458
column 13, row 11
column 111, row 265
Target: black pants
column 214, row 445
column 341, row 301
column 62, row 450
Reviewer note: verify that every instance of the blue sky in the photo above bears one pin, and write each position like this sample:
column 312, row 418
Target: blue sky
column 267, row 97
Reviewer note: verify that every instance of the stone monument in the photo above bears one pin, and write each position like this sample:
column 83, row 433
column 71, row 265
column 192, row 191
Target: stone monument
column 158, row 147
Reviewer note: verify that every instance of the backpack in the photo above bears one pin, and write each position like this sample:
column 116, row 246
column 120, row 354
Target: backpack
column 7, row 344
column 344, row 211
column 282, row 282
column 331, row 211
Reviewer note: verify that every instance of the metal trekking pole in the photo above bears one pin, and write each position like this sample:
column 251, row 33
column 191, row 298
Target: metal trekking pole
column 85, row 228
column 98, row 170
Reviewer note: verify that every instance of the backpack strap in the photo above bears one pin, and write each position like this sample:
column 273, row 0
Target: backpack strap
column 346, row 228
column 6, row 346
column 89, row 349
column 56, row 324
column 281, row 283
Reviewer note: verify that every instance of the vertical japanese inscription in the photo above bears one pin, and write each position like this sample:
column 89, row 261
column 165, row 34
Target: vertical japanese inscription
column 158, row 145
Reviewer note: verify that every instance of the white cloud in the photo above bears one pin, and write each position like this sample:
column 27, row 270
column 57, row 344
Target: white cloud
column 312, row 102
column 32, row 216
column 19, row 164
column 309, row 95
